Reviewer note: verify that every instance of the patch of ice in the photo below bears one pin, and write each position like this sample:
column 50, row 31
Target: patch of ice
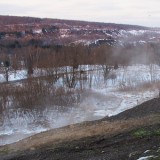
column 147, row 151
column 145, row 158
column 101, row 113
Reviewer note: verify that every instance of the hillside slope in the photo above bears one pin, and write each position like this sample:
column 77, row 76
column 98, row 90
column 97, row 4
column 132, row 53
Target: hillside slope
column 46, row 32
column 130, row 135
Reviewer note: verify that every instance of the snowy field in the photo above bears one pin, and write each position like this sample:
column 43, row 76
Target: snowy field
column 104, row 98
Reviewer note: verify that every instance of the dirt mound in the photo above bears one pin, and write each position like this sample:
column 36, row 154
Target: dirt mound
column 147, row 108
column 128, row 136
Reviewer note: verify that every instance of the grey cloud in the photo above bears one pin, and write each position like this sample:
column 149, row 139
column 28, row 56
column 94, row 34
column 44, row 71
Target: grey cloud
column 6, row 9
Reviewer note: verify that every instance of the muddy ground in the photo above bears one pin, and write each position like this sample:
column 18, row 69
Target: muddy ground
column 130, row 135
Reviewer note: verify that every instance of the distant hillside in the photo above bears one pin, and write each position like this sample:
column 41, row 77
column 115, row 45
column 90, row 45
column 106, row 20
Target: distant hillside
column 9, row 20
column 65, row 32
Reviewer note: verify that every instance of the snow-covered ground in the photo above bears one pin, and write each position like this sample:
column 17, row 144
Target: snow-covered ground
column 104, row 98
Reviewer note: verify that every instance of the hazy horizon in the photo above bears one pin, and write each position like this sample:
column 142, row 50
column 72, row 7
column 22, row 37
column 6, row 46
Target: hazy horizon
column 134, row 12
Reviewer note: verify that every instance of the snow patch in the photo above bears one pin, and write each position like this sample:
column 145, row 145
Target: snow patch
column 37, row 31
column 145, row 158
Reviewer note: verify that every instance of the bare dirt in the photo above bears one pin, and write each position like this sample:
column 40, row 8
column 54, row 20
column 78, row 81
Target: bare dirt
column 123, row 137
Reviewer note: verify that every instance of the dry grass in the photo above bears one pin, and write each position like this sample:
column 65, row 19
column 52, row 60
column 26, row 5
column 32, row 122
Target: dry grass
column 141, row 87
column 36, row 93
column 78, row 131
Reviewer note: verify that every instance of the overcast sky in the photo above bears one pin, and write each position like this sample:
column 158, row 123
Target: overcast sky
column 140, row 12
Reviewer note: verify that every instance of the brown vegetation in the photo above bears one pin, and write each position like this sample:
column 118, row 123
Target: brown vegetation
column 65, row 63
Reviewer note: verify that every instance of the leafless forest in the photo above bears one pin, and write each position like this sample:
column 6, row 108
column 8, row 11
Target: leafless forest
column 45, row 66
